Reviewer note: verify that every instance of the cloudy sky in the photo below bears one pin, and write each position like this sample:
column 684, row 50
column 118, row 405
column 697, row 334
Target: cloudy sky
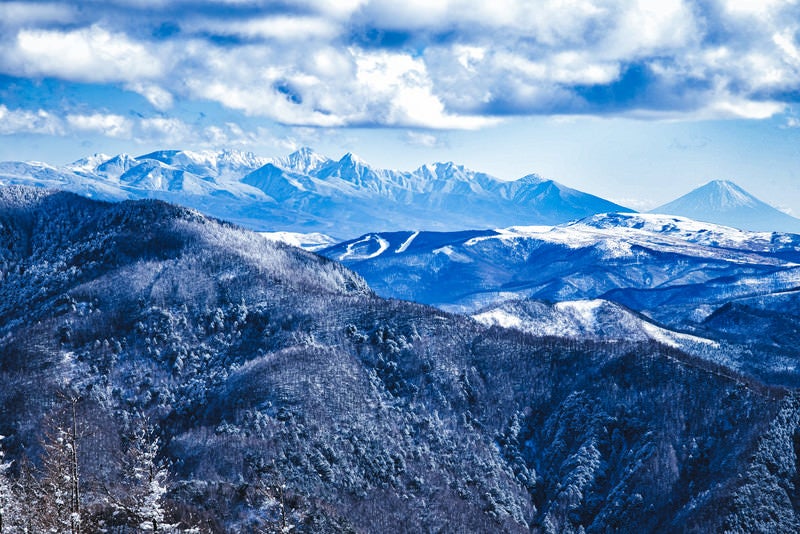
column 638, row 100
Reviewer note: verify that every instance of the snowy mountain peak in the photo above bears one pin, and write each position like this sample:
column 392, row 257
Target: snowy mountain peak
column 303, row 160
column 726, row 194
column 447, row 172
column 532, row 179
column 717, row 195
column 87, row 164
column 351, row 160
column 116, row 166
column 723, row 202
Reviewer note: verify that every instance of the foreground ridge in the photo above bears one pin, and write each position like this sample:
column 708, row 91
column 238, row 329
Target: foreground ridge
column 279, row 389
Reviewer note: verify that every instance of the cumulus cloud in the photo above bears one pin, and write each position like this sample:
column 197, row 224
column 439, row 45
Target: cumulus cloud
column 17, row 14
column 159, row 98
column 110, row 125
column 14, row 121
column 145, row 130
column 90, row 54
column 277, row 27
column 453, row 64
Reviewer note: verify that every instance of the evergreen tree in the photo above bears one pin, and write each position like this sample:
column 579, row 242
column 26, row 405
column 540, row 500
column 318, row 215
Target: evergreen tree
column 10, row 508
column 56, row 494
column 144, row 482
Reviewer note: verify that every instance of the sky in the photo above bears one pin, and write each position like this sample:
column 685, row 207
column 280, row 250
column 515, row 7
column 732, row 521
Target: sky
column 638, row 101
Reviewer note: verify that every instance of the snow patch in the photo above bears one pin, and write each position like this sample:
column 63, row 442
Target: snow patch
column 311, row 241
column 352, row 253
column 451, row 253
column 402, row 248
column 500, row 318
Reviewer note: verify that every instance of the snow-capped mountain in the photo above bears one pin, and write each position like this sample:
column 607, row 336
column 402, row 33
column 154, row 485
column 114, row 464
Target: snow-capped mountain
column 307, row 192
column 581, row 260
column 684, row 277
column 724, row 202
column 280, row 389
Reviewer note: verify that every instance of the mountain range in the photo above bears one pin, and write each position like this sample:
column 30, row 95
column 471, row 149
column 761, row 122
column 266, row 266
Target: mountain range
column 306, row 192
column 286, row 395
column 622, row 276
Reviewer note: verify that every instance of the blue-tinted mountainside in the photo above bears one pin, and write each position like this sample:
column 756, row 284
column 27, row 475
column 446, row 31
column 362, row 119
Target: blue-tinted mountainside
column 308, row 192
column 283, row 392
column 712, row 282
column 723, row 202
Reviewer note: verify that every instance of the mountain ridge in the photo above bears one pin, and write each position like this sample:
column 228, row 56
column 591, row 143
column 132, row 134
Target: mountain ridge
column 308, row 192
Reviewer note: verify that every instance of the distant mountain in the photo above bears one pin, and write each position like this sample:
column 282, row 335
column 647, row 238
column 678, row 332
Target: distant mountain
column 284, row 395
column 581, row 260
column 307, row 192
column 683, row 275
column 724, row 202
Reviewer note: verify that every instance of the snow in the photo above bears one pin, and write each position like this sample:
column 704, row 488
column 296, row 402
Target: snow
column 592, row 319
column 615, row 234
column 312, row 241
column 352, row 254
column 303, row 160
column 673, row 339
column 587, row 309
column 499, row 317
column 402, row 248
column 724, row 202
column 453, row 254
column 88, row 164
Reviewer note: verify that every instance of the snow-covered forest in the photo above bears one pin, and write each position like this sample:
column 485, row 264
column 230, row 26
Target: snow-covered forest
column 166, row 371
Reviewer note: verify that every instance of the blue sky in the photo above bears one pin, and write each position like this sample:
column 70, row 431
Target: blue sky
column 637, row 101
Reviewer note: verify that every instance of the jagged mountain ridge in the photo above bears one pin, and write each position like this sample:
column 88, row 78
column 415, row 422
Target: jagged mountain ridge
column 252, row 357
column 723, row 202
column 308, row 192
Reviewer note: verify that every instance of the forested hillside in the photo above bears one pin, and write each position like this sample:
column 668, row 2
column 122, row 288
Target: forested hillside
column 166, row 371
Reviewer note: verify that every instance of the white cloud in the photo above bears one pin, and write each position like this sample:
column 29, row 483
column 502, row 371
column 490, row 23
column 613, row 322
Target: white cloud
column 448, row 64
column 110, row 125
column 279, row 27
column 644, row 28
column 170, row 130
column 740, row 108
column 16, row 14
column 159, row 98
column 175, row 132
column 88, row 54
column 750, row 8
column 16, row 121
column 401, row 86
column 423, row 139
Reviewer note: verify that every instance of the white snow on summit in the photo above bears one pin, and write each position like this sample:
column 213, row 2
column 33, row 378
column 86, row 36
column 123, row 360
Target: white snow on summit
column 724, row 202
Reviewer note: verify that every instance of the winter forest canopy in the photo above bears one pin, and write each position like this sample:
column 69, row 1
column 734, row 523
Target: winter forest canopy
column 163, row 370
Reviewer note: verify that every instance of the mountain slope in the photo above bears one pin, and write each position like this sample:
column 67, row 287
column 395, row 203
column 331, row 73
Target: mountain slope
column 723, row 202
column 308, row 192
column 677, row 272
column 264, row 366
column 585, row 319
column 581, row 260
